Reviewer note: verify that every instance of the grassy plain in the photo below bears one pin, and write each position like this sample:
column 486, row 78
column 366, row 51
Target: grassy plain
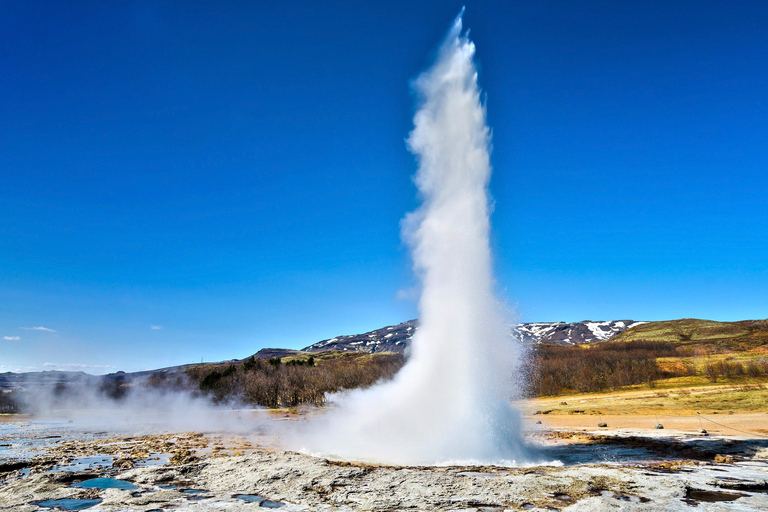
column 685, row 396
column 716, row 379
column 691, row 403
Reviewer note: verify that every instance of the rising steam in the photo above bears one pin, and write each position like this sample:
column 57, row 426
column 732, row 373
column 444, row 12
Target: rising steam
column 450, row 402
column 140, row 407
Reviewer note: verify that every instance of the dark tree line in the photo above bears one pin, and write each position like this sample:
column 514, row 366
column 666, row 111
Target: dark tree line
column 274, row 383
column 599, row 367
column 8, row 403
column 728, row 369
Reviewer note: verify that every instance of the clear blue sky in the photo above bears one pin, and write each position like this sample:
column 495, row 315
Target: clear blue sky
column 234, row 173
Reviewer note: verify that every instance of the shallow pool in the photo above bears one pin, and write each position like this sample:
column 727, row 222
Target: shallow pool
column 69, row 504
column 105, row 483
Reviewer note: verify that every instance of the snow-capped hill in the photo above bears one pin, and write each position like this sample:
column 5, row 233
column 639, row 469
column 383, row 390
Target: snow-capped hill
column 387, row 339
column 396, row 338
column 576, row 333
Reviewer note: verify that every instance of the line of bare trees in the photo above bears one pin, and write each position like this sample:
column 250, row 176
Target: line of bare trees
column 8, row 403
column 611, row 365
column 272, row 383
column 728, row 369
column 562, row 369
column 554, row 370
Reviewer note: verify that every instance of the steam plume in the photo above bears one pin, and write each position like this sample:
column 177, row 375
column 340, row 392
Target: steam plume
column 141, row 406
column 450, row 402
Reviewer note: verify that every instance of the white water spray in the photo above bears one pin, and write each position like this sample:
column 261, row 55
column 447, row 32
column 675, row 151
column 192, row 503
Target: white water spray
column 450, row 402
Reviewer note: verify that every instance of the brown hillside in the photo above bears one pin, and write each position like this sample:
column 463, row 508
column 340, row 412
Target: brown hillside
column 737, row 336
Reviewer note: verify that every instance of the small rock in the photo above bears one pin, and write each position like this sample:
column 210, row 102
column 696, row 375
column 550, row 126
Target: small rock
column 659, row 426
column 180, row 457
column 602, row 425
column 538, row 422
column 123, row 464
column 88, row 494
column 703, row 432
column 727, row 459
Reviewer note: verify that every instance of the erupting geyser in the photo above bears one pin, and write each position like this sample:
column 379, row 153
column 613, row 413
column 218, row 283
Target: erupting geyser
column 450, row 402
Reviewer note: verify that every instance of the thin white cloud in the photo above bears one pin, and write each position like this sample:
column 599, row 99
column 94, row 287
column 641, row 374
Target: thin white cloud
column 41, row 328
column 76, row 365
column 155, row 327
column 17, row 368
column 12, row 338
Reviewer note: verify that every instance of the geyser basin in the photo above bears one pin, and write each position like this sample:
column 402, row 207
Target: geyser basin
column 450, row 402
column 668, row 470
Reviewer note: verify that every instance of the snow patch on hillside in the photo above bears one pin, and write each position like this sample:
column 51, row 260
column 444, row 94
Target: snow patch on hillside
column 395, row 338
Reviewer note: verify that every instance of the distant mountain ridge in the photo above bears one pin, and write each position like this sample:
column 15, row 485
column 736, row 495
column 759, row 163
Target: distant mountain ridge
column 738, row 336
column 395, row 338
column 574, row 333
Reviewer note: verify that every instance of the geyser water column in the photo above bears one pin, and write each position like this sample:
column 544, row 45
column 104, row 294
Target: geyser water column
column 450, row 402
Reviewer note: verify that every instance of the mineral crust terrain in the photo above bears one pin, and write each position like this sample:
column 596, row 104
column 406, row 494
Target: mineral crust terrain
column 579, row 470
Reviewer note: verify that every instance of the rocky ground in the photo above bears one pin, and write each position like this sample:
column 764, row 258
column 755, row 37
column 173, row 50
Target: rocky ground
column 606, row 470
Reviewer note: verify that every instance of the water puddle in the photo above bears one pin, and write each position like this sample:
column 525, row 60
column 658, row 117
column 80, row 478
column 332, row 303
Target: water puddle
column 85, row 464
column 68, row 504
column 154, row 459
column 250, row 498
column 105, row 483
column 695, row 496
column 271, row 504
column 477, row 473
